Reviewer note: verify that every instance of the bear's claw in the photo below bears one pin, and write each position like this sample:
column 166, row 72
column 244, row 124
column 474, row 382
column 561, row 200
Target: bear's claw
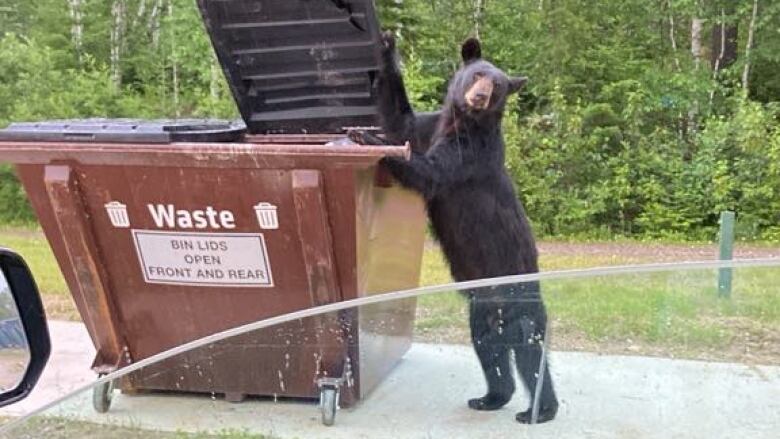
column 388, row 40
column 489, row 402
column 545, row 415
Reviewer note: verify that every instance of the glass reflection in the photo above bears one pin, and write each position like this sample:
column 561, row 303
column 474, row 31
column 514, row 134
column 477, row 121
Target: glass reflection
column 14, row 353
column 650, row 355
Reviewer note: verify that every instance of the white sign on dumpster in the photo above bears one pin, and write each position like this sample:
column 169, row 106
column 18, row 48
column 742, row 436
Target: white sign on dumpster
column 203, row 259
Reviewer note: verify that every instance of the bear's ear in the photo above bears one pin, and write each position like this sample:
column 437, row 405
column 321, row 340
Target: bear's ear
column 517, row 83
column 471, row 50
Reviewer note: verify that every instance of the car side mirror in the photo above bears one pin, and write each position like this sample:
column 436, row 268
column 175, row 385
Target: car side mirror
column 24, row 334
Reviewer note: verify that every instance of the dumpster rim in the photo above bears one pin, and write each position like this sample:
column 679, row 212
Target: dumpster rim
column 205, row 154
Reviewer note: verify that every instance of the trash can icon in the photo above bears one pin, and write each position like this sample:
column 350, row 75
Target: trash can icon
column 117, row 212
column 267, row 216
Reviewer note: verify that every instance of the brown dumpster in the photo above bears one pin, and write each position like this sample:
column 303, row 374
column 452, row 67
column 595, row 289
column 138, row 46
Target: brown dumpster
column 170, row 231
column 162, row 244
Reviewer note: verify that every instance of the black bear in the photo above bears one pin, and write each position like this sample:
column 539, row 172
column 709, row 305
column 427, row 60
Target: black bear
column 457, row 165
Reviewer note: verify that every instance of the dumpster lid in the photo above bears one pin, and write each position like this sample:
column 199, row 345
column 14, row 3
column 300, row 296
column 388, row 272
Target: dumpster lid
column 126, row 131
column 297, row 66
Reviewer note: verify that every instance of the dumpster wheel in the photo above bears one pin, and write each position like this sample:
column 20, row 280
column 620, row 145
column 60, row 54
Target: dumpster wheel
column 329, row 400
column 102, row 395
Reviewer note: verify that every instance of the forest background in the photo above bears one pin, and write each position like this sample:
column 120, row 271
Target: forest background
column 642, row 119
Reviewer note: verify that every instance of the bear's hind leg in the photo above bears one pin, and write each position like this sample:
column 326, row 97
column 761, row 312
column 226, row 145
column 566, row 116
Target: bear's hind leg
column 493, row 354
column 528, row 358
column 526, row 323
column 498, row 374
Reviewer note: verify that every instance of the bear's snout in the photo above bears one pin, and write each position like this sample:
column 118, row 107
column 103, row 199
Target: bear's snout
column 479, row 94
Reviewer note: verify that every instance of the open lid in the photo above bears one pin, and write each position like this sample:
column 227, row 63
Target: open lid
column 125, row 131
column 297, row 66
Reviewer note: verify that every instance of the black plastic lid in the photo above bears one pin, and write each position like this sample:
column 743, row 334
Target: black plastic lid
column 126, row 131
column 297, row 66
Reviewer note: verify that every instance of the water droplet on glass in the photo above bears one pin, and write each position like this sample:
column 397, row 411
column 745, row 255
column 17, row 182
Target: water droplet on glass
column 281, row 380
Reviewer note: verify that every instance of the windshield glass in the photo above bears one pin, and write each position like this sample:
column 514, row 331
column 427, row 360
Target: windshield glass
column 645, row 352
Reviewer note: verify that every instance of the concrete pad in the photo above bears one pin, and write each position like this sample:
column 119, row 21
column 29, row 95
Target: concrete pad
column 68, row 368
column 425, row 397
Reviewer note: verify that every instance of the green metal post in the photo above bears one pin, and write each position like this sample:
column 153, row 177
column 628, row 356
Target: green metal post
column 726, row 252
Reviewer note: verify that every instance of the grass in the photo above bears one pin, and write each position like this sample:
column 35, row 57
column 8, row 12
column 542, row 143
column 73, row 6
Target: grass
column 34, row 248
column 13, row 363
column 675, row 313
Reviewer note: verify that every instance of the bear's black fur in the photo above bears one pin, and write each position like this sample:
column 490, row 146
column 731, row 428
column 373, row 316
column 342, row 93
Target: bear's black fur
column 457, row 164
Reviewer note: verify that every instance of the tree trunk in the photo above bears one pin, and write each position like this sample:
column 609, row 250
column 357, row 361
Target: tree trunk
column 174, row 61
column 154, row 23
column 77, row 27
column 479, row 9
column 139, row 15
column 724, row 44
column 215, row 77
column 724, row 48
column 697, row 50
column 749, row 47
column 672, row 37
column 119, row 26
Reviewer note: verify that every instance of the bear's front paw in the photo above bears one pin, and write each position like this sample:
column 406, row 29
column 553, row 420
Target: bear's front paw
column 362, row 137
column 388, row 41
column 357, row 136
column 545, row 414
column 489, row 402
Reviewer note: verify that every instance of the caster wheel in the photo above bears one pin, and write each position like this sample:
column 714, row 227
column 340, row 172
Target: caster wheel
column 101, row 396
column 329, row 400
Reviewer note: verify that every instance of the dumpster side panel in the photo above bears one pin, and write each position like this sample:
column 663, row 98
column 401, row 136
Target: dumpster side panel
column 392, row 261
column 340, row 186
column 31, row 177
column 55, row 196
column 314, row 229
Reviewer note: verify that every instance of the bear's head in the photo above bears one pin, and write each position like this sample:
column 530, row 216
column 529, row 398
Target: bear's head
column 479, row 90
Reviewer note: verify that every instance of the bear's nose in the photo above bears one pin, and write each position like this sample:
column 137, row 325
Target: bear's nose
column 480, row 97
column 478, row 100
